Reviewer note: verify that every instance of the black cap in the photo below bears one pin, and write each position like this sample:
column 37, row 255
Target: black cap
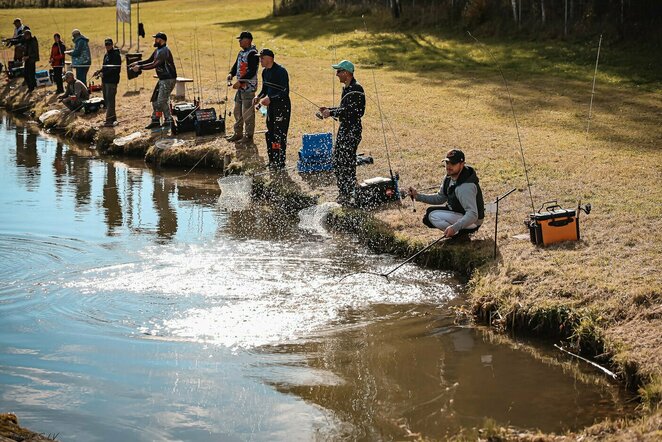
column 108, row 41
column 454, row 156
column 267, row 52
column 160, row 35
column 245, row 34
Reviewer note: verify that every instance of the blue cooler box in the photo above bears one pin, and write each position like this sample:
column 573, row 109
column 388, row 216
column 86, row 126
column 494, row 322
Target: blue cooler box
column 316, row 153
column 43, row 78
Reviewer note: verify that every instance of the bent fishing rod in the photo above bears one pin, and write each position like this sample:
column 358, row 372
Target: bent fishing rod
column 512, row 109
column 408, row 260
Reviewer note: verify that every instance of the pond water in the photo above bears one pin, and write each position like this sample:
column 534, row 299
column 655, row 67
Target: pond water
column 133, row 308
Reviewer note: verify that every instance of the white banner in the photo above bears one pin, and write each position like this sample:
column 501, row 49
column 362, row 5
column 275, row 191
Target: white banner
column 124, row 11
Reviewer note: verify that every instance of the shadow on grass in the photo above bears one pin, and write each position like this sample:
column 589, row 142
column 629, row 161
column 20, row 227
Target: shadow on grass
column 429, row 51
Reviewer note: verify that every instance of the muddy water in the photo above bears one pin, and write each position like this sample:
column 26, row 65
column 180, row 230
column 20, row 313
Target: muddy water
column 133, row 308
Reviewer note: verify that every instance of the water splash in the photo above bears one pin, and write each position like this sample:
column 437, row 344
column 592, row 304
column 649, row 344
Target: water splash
column 313, row 218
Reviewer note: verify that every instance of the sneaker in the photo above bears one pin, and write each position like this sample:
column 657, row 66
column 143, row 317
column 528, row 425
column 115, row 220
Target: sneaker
column 153, row 125
column 234, row 138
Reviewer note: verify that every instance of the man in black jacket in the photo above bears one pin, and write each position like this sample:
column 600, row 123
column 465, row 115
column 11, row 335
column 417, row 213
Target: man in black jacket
column 349, row 113
column 30, row 59
column 275, row 95
column 163, row 62
column 110, row 78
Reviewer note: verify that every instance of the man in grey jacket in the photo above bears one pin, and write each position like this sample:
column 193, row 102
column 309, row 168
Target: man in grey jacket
column 463, row 208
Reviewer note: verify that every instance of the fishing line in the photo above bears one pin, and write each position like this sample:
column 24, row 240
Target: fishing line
column 590, row 108
column 181, row 63
column 512, row 109
column 379, row 107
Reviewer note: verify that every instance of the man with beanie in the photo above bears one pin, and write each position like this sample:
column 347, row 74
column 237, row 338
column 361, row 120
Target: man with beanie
column 349, row 113
column 245, row 69
column 110, row 78
column 275, row 94
column 163, row 62
column 464, row 208
column 81, row 59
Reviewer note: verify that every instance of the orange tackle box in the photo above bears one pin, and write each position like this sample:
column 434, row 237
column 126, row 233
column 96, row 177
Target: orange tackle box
column 552, row 224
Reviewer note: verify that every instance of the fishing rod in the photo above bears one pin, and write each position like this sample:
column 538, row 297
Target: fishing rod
column 411, row 258
column 333, row 80
column 228, row 83
column 590, row 108
column 199, row 62
column 279, row 87
column 381, row 117
column 512, row 109
column 218, row 90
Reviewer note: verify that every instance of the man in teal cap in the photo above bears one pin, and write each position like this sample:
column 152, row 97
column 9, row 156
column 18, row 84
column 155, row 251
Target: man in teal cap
column 348, row 113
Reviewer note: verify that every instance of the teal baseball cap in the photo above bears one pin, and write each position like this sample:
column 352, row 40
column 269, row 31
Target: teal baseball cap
column 344, row 65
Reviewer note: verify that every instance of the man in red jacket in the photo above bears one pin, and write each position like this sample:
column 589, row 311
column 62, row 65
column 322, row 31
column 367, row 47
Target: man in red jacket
column 57, row 62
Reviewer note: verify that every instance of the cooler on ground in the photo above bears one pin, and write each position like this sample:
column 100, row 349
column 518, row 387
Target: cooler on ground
column 552, row 224
column 93, row 105
column 43, row 78
column 185, row 117
column 206, row 122
column 376, row 191
column 316, row 153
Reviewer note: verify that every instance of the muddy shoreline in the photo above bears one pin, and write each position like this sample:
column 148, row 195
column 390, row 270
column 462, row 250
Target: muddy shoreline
column 473, row 262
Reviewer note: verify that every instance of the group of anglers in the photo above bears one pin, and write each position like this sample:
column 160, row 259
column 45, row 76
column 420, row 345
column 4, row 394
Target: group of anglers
column 458, row 206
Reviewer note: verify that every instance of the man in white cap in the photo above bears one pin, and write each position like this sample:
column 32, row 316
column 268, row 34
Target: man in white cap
column 349, row 113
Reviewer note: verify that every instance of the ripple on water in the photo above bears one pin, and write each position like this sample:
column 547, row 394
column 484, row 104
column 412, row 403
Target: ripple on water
column 26, row 261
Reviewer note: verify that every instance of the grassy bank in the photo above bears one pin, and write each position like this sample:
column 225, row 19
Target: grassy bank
column 602, row 295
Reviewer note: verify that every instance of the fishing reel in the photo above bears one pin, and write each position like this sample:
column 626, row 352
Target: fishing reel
column 586, row 208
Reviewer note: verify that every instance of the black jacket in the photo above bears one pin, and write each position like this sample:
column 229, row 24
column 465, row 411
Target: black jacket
column 275, row 83
column 111, row 75
column 32, row 49
column 352, row 106
column 468, row 175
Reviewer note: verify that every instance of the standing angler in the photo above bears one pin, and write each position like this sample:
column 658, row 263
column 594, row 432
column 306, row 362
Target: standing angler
column 80, row 55
column 163, row 62
column 349, row 113
column 110, row 78
column 30, row 59
column 275, row 95
column 464, row 208
column 57, row 62
column 245, row 69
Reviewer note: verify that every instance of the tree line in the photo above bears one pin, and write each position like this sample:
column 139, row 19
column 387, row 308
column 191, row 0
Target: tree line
column 631, row 19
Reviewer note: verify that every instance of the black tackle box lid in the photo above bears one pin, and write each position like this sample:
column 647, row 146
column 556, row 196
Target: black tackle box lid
column 552, row 214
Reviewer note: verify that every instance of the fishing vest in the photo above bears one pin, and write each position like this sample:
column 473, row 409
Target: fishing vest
column 167, row 69
column 468, row 175
column 249, row 84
